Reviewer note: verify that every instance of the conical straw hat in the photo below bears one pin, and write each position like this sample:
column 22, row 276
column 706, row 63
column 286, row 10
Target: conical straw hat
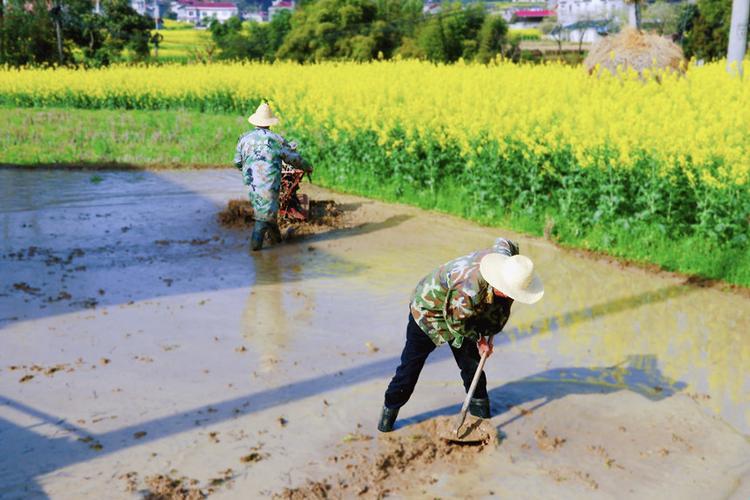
column 263, row 116
column 514, row 276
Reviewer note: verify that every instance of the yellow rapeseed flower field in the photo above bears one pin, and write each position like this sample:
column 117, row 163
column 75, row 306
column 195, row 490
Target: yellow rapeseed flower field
column 695, row 120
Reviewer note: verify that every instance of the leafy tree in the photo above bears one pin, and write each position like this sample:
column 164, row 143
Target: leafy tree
column 455, row 33
column 37, row 32
column 687, row 15
column 28, row 34
column 708, row 34
column 326, row 29
column 278, row 28
column 125, row 29
column 252, row 41
column 662, row 16
column 492, row 38
column 231, row 40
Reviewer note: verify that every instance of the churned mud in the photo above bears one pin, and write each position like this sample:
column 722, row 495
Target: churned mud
column 324, row 216
column 416, row 455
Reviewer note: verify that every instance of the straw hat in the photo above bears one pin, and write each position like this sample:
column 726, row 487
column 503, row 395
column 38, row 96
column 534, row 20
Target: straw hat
column 514, row 276
column 263, row 116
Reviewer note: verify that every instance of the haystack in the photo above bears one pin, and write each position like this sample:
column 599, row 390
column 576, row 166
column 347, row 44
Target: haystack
column 639, row 51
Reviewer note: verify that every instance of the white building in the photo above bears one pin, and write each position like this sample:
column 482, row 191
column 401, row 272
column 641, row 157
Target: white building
column 256, row 17
column 588, row 20
column 279, row 5
column 143, row 7
column 573, row 11
column 203, row 12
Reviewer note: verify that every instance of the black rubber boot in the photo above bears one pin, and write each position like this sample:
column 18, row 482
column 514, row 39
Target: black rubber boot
column 274, row 232
column 480, row 407
column 259, row 232
column 387, row 419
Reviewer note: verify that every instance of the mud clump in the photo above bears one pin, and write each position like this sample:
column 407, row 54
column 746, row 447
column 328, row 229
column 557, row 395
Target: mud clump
column 161, row 487
column 394, row 463
column 25, row 287
column 237, row 214
column 547, row 443
column 324, row 215
column 317, row 490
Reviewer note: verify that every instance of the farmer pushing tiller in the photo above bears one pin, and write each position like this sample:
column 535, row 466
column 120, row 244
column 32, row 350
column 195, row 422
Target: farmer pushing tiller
column 261, row 155
column 464, row 303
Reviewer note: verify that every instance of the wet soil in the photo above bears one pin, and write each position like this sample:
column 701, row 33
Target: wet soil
column 195, row 352
column 324, row 216
column 375, row 468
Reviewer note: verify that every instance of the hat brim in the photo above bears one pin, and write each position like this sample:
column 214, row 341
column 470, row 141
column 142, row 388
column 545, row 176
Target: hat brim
column 262, row 122
column 491, row 269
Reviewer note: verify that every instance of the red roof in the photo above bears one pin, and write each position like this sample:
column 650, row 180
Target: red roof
column 283, row 3
column 534, row 13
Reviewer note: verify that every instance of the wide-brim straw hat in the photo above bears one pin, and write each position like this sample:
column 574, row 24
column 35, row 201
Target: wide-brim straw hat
column 263, row 116
column 514, row 276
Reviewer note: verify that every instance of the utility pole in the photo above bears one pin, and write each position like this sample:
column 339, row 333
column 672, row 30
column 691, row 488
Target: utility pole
column 737, row 36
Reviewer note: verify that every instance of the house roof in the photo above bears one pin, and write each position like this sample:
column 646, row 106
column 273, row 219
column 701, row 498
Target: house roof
column 534, row 13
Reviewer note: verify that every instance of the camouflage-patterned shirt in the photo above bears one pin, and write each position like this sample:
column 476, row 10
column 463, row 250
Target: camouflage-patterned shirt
column 259, row 155
column 454, row 301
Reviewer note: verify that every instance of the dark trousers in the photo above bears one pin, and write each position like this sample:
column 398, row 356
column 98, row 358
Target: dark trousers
column 418, row 347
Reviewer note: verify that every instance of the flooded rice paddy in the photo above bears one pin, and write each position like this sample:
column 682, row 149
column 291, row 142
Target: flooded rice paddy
column 140, row 339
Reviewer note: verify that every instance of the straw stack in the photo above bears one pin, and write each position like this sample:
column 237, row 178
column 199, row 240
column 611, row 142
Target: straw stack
column 633, row 49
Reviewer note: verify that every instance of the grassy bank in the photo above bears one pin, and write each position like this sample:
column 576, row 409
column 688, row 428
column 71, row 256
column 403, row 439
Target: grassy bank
column 635, row 213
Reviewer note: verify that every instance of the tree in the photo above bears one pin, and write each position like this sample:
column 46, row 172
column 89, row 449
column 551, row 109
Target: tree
column 278, row 28
column 28, row 34
column 492, row 38
column 663, row 17
column 37, row 32
column 233, row 43
column 125, row 29
column 708, row 34
column 453, row 33
column 551, row 27
column 331, row 29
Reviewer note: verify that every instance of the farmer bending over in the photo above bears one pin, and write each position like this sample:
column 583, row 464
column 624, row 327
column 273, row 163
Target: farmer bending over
column 463, row 302
column 259, row 156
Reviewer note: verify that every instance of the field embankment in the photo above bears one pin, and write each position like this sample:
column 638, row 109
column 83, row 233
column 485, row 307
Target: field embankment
column 654, row 172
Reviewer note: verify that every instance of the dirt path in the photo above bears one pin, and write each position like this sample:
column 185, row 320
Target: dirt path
column 144, row 349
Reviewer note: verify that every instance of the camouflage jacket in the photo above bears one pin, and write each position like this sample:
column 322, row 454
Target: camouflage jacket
column 454, row 301
column 259, row 155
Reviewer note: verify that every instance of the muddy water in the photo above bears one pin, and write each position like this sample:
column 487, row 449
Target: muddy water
column 138, row 335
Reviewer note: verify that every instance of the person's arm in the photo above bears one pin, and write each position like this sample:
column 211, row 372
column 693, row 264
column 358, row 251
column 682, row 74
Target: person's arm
column 457, row 309
column 504, row 246
column 290, row 155
column 238, row 160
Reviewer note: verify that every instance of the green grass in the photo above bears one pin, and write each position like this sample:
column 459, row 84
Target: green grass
column 619, row 212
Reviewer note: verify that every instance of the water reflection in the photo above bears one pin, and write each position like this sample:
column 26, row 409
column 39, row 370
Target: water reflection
column 272, row 309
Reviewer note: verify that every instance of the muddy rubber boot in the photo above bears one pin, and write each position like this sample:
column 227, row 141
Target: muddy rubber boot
column 274, row 232
column 259, row 232
column 480, row 407
column 387, row 419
